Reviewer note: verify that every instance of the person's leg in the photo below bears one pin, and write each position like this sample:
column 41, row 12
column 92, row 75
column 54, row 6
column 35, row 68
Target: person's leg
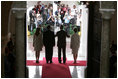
column 59, row 54
column 38, row 54
column 34, row 26
column 46, row 54
column 45, row 17
column 64, row 55
column 62, row 18
column 37, row 57
column 30, row 23
column 33, row 18
column 51, row 54
column 74, row 56
column 37, row 23
column 30, row 27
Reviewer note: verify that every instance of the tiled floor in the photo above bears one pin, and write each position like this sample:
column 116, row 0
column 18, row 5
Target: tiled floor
column 36, row 71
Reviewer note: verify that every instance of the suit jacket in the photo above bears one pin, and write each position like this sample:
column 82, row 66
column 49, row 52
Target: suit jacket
column 61, row 38
column 48, row 38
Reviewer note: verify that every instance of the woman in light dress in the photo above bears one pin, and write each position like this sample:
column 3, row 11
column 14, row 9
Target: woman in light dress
column 37, row 43
column 75, row 43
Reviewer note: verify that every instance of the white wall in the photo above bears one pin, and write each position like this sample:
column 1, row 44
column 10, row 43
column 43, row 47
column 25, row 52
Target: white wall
column 84, row 32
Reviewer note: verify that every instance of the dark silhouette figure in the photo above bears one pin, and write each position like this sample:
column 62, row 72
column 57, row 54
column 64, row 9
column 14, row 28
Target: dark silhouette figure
column 9, row 60
column 113, row 61
column 49, row 42
column 61, row 43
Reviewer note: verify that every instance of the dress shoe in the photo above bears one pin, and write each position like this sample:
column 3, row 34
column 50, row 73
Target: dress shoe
column 64, row 62
column 59, row 61
column 37, row 61
column 74, row 62
column 47, row 62
column 51, row 62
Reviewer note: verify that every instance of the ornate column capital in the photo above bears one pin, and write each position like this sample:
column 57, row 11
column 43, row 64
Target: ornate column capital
column 19, row 12
column 19, row 8
column 107, row 13
column 107, row 8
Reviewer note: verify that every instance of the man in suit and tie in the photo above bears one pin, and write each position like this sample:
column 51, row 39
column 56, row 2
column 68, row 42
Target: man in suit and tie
column 49, row 43
column 61, row 43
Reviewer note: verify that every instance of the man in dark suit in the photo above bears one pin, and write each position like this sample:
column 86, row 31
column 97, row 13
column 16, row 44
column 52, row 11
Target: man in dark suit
column 49, row 42
column 61, row 43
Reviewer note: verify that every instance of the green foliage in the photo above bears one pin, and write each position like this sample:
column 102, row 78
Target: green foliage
column 78, row 2
column 31, row 33
column 34, row 30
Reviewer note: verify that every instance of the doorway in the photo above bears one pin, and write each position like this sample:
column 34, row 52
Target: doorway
column 82, row 24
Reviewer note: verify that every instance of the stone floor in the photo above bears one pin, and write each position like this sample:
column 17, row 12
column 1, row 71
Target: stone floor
column 36, row 71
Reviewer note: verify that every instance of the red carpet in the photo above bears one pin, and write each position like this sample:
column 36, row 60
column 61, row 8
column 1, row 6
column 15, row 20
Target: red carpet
column 55, row 61
column 55, row 71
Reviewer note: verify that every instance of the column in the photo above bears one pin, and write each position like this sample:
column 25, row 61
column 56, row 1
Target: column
column 20, row 53
column 105, row 45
